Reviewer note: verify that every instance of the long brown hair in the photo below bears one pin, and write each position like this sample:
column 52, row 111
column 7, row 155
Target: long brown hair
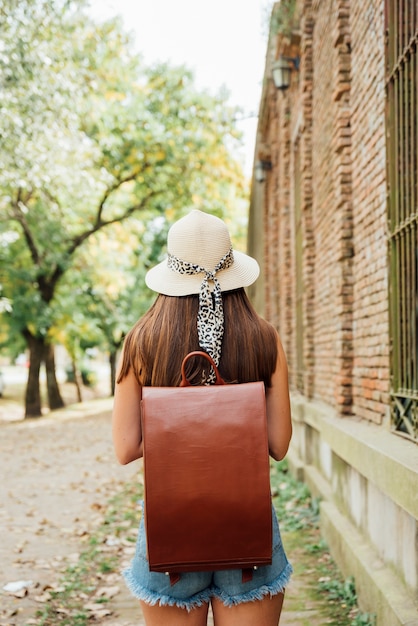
column 156, row 345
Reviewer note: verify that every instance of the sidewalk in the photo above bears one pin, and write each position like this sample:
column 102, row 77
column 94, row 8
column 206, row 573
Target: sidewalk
column 57, row 475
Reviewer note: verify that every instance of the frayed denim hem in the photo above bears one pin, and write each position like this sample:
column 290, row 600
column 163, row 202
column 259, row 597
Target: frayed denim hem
column 278, row 585
column 152, row 598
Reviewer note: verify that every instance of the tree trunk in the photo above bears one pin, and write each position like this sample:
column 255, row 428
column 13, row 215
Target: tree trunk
column 33, row 392
column 55, row 400
column 112, row 362
column 77, row 380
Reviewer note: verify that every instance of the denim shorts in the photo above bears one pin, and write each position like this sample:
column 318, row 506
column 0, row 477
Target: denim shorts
column 196, row 588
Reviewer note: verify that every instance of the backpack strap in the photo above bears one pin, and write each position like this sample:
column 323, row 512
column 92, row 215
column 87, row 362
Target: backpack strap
column 247, row 574
column 174, row 578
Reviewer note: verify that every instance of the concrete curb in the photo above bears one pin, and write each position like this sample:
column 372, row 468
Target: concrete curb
column 379, row 590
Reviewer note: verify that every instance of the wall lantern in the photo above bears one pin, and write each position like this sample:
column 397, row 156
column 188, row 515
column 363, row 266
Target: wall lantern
column 281, row 71
column 260, row 169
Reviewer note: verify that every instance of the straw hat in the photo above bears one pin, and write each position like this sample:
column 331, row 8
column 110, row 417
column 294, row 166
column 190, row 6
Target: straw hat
column 201, row 239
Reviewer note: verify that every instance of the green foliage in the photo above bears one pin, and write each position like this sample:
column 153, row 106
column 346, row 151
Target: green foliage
column 88, row 376
column 343, row 593
column 285, row 18
column 364, row 619
column 95, row 147
column 293, row 502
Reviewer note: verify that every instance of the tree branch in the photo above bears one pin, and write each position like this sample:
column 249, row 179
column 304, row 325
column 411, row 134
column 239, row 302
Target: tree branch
column 19, row 216
column 53, row 199
column 77, row 241
column 113, row 188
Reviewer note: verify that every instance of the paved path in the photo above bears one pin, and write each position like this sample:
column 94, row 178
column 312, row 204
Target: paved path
column 56, row 474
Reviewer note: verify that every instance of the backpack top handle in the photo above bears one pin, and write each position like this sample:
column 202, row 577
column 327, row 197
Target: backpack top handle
column 185, row 382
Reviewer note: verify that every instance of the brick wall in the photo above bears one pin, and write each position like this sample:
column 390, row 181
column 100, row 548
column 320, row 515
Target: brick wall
column 327, row 276
column 332, row 117
column 307, row 194
column 325, row 229
column 370, row 315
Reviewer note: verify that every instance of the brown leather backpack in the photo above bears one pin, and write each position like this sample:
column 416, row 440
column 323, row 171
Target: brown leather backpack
column 207, row 484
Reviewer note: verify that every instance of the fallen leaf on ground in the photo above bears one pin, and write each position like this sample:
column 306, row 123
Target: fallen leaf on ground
column 20, row 547
column 96, row 506
column 19, row 594
column 45, row 597
column 107, row 592
column 112, row 541
column 97, row 612
column 62, row 611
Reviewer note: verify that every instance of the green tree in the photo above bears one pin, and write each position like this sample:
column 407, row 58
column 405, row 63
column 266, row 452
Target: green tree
column 90, row 139
column 106, row 287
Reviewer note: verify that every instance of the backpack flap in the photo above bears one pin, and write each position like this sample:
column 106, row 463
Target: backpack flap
column 207, row 483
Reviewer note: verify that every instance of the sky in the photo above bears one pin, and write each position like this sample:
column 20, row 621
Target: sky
column 223, row 42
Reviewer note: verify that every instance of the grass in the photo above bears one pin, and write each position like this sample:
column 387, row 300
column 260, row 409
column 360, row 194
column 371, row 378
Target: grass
column 320, row 583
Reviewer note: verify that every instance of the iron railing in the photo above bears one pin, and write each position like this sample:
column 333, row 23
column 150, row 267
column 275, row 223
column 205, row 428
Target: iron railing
column 402, row 160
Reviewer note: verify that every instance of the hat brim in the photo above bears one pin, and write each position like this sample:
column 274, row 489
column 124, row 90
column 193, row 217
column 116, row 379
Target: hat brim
column 242, row 273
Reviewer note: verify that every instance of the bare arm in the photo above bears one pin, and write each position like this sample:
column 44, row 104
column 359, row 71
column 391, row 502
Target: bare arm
column 279, row 423
column 126, row 420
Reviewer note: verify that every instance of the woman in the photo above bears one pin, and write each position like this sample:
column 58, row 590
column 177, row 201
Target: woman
column 202, row 306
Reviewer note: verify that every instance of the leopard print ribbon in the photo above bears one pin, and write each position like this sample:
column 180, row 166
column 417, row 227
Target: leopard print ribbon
column 210, row 318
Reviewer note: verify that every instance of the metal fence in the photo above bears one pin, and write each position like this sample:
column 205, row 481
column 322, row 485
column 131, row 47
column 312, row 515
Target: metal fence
column 402, row 159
